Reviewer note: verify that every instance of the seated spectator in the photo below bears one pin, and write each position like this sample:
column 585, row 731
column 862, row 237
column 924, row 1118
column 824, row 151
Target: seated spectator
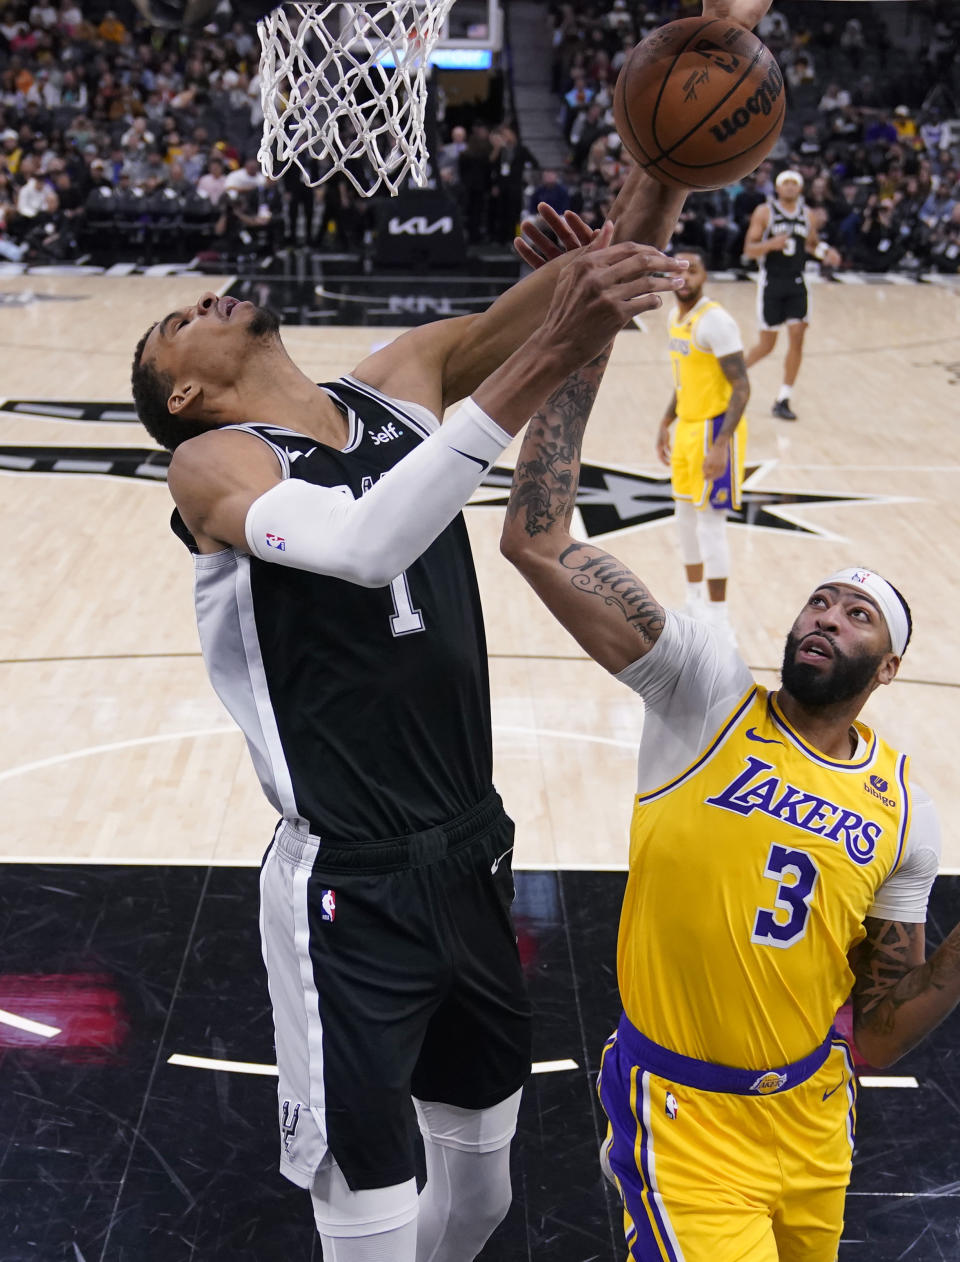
column 808, row 148
column 177, row 181
column 36, row 199
column 939, row 205
column 551, row 190
column 212, row 183
column 576, row 99
column 774, row 29
column 10, row 249
column 250, row 217
column 246, row 178
column 800, row 72
column 835, row 98
column 718, row 230
column 904, row 124
column 619, row 17
column 112, row 29
column 190, row 158
column 945, row 244
column 587, row 127
column 880, row 131
column 877, row 247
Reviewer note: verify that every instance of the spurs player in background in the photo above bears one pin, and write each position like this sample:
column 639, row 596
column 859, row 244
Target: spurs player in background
column 781, row 236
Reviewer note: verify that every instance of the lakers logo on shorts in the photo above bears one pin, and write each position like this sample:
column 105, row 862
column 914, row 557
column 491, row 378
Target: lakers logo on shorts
column 769, row 1082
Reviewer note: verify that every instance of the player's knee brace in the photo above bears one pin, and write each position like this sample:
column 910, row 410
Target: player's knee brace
column 468, row 1188
column 686, row 517
column 712, row 534
column 341, row 1212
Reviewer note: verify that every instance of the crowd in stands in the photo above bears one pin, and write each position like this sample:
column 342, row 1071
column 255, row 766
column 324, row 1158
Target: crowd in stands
column 871, row 132
column 108, row 127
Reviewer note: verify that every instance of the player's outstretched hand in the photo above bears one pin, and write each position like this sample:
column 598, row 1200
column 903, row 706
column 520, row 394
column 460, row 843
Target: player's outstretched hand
column 747, row 12
column 601, row 289
column 536, row 248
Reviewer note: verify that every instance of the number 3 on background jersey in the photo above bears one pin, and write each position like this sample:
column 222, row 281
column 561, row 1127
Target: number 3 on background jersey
column 793, row 896
column 405, row 619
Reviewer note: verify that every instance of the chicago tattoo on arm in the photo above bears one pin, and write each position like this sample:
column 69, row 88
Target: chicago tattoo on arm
column 597, row 573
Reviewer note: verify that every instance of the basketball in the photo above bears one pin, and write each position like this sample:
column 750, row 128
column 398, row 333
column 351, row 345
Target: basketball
column 699, row 103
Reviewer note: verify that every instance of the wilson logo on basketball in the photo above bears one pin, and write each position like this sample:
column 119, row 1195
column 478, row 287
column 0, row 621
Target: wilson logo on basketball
column 761, row 102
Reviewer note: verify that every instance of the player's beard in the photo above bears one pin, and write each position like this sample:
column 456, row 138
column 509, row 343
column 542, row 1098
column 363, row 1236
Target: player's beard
column 265, row 323
column 813, row 687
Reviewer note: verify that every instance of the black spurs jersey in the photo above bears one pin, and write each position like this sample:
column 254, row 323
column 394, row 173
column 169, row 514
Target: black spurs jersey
column 785, row 267
column 366, row 711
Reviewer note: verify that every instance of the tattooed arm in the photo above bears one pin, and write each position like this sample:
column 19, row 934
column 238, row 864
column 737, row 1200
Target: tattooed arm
column 898, row 998
column 735, row 370
column 602, row 604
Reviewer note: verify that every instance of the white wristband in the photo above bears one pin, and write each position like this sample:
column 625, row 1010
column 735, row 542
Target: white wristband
column 821, row 250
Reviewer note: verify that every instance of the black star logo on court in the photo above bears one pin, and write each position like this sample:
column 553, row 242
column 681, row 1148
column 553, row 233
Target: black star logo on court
column 610, row 500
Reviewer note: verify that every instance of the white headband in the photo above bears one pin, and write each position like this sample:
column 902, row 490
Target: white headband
column 788, row 175
column 884, row 596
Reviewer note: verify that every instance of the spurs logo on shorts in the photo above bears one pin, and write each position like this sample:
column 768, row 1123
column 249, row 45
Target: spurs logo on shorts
column 288, row 1121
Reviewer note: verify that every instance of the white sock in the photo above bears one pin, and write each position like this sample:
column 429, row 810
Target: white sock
column 717, row 611
column 784, row 393
column 695, row 591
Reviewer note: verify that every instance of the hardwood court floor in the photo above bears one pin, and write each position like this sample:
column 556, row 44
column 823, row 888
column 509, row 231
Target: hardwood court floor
column 112, row 745
column 114, row 752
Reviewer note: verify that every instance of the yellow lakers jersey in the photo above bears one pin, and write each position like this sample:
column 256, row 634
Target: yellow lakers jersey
column 702, row 389
column 750, row 876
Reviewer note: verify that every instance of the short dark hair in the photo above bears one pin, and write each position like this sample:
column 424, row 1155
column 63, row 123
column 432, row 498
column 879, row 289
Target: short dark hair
column 151, row 390
column 693, row 249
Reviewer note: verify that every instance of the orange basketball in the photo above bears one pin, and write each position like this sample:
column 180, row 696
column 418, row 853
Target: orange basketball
column 699, row 103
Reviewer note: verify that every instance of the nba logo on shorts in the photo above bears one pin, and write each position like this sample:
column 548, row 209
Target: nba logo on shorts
column 671, row 1108
column 328, row 905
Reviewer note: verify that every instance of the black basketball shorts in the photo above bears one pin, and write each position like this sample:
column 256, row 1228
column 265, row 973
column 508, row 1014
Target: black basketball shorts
column 393, row 972
column 781, row 304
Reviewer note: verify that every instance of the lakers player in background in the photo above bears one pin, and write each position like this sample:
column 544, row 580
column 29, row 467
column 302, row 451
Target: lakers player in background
column 781, row 237
column 706, row 455
column 780, row 858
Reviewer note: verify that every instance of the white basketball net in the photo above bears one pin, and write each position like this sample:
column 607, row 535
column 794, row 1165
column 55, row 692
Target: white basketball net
column 330, row 104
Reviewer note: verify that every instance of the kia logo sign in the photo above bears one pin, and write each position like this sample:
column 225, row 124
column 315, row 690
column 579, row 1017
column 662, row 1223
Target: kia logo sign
column 419, row 226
